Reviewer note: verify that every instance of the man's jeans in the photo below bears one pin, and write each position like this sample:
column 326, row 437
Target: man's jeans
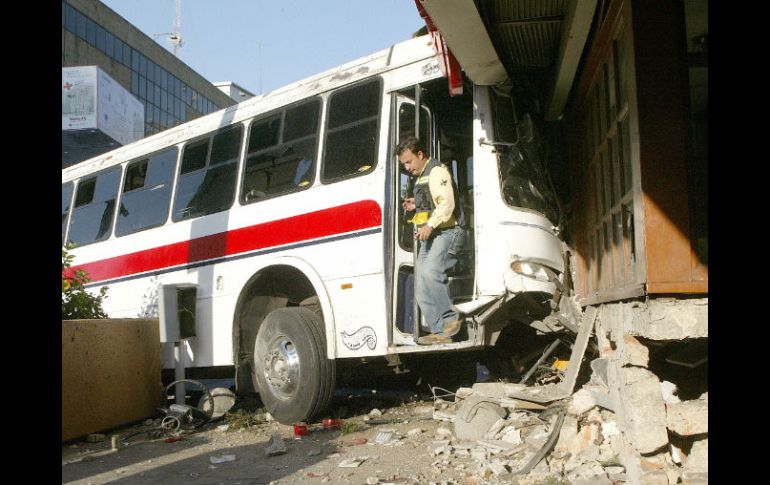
column 437, row 255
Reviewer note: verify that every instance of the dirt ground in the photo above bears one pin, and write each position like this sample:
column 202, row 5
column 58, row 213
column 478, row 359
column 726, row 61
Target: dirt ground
column 402, row 445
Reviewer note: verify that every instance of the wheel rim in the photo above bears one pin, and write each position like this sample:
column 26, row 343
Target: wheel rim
column 281, row 367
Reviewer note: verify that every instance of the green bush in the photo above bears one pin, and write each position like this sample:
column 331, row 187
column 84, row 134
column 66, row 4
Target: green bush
column 76, row 302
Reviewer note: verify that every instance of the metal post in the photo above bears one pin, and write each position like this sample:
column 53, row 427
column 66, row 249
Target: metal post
column 417, row 317
column 417, row 92
column 179, row 388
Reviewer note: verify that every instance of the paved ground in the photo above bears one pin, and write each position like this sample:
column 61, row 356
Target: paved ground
column 311, row 459
column 395, row 447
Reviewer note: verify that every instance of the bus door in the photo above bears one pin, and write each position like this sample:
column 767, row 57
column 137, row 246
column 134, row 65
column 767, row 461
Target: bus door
column 405, row 121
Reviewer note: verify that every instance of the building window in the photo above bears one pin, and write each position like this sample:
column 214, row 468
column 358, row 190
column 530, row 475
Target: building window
column 90, row 31
column 70, row 18
column 80, row 25
column 101, row 38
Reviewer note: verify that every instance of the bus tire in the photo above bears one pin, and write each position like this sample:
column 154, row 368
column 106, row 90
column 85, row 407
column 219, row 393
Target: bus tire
column 294, row 378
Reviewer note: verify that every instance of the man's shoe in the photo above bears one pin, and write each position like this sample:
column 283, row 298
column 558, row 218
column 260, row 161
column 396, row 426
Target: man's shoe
column 433, row 339
column 451, row 328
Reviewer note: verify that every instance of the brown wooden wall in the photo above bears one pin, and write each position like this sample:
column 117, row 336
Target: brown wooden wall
column 628, row 153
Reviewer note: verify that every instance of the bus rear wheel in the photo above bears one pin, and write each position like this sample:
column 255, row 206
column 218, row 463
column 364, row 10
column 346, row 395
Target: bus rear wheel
column 294, row 378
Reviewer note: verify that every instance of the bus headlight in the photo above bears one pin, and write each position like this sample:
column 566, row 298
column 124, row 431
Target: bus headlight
column 531, row 270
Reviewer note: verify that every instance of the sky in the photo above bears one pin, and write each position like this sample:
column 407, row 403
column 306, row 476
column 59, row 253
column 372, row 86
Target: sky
column 262, row 45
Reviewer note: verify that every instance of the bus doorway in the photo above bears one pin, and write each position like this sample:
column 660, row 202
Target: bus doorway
column 445, row 127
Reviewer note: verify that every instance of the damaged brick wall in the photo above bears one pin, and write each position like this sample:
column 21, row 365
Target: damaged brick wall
column 653, row 362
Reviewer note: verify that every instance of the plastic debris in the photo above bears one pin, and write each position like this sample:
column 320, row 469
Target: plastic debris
column 384, row 437
column 221, row 459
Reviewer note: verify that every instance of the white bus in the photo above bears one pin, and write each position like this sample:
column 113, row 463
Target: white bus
column 285, row 212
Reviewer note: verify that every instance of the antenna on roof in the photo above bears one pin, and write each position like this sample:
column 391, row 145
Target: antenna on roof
column 175, row 36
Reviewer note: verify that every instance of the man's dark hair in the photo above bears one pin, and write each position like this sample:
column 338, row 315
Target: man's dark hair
column 411, row 143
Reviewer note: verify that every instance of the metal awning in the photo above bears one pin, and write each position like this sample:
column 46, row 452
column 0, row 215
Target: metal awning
column 496, row 40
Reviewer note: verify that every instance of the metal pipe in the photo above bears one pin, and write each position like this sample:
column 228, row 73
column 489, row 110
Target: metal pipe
column 545, row 355
column 179, row 390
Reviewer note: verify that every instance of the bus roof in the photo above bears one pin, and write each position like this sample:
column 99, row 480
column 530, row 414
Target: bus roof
column 401, row 54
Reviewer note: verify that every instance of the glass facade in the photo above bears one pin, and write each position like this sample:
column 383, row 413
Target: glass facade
column 167, row 100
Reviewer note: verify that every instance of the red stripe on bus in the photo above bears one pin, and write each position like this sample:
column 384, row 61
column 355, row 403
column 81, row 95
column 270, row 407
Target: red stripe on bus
column 326, row 222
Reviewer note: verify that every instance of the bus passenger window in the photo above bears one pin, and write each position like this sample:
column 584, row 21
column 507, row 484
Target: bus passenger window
column 205, row 191
column 225, row 147
column 146, row 193
column 280, row 161
column 194, row 157
column 351, row 139
column 66, row 200
column 94, row 208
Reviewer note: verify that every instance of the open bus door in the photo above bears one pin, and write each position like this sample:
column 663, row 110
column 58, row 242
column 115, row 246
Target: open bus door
column 437, row 119
column 406, row 119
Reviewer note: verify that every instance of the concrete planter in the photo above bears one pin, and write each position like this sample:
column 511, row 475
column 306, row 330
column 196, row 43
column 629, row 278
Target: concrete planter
column 110, row 373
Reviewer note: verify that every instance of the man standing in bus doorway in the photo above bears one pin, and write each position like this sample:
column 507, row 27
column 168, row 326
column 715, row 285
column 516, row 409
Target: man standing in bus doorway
column 438, row 228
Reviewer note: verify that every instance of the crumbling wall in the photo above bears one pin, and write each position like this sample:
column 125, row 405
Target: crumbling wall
column 652, row 362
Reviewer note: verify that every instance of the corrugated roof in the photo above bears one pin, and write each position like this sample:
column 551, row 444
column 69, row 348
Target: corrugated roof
column 526, row 32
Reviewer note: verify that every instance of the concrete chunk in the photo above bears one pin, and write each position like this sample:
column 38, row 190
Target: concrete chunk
column 275, row 446
column 672, row 319
column 697, row 461
column 567, row 434
column 581, row 402
column 633, row 352
column 644, row 409
column 498, row 468
column 669, row 391
column 688, row 417
column 475, row 417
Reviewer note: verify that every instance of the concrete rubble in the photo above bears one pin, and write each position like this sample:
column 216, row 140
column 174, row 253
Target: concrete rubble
column 505, row 435
column 687, row 418
column 275, row 446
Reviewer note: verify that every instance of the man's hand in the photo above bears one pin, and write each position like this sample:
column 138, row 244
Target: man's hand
column 423, row 233
column 409, row 204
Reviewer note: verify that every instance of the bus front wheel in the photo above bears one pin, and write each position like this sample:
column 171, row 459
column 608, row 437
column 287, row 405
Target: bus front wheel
column 294, row 378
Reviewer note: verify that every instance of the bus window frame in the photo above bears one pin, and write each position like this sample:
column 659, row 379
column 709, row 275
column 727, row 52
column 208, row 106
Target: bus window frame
column 325, row 132
column 178, row 172
column 281, row 112
column 70, row 208
column 95, row 175
column 172, row 192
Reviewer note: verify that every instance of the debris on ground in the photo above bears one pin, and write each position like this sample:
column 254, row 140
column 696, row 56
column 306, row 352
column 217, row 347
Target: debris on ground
column 275, row 446
column 221, row 459
column 352, row 462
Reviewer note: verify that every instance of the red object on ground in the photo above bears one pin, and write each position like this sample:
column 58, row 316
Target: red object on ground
column 330, row 423
column 300, row 429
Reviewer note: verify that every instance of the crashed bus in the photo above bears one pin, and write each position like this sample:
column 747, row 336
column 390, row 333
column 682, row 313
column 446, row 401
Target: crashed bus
column 284, row 213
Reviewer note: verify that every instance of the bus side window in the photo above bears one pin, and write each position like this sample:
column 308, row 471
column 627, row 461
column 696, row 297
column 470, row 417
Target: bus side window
column 206, row 188
column 66, row 200
column 280, row 161
column 351, row 137
column 146, row 193
column 94, row 207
